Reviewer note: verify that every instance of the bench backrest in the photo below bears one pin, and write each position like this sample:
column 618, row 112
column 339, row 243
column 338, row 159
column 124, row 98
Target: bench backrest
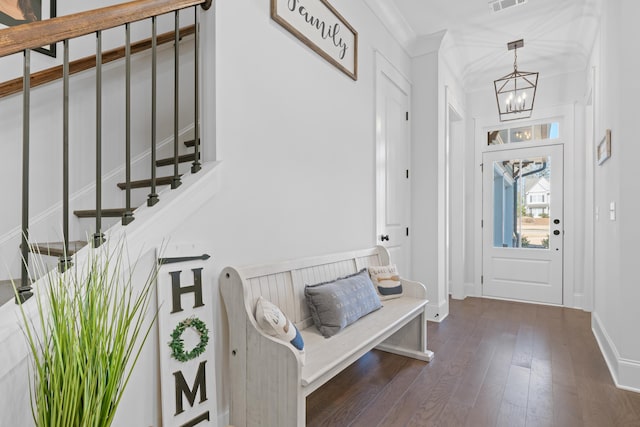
column 283, row 283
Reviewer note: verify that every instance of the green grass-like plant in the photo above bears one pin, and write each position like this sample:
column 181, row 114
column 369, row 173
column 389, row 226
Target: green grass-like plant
column 86, row 338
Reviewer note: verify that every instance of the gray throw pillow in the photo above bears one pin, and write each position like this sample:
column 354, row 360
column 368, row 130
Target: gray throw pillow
column 335, row 305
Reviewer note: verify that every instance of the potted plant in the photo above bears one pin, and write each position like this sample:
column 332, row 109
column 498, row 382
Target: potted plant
column 85, row 337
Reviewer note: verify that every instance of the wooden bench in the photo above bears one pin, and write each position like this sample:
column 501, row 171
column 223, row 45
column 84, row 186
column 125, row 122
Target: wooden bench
column 268, row 381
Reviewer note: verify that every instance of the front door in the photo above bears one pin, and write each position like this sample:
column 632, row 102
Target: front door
column 392, row 160
column 523, row 224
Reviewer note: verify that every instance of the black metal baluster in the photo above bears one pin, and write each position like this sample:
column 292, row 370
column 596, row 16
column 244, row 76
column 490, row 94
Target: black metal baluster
column 153, row 196
column 65, row 260
column 175, row 182
column 24, row 291
column 127, row 216
column 196, row 166
column 98, row 237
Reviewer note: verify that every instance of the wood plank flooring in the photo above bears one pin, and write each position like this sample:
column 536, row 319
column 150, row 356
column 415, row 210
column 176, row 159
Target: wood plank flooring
column 496, row 363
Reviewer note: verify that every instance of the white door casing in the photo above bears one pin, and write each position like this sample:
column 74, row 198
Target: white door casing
column 392, row 163
column 515, row 268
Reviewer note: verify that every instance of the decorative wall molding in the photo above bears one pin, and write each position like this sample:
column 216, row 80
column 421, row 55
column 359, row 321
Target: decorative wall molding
column 389, row 14
column 425, row 45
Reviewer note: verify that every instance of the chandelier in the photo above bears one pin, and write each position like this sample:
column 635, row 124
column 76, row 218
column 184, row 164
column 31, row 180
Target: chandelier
column 516, row 92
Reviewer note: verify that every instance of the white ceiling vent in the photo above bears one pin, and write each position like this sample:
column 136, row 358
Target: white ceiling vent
column 498, row 5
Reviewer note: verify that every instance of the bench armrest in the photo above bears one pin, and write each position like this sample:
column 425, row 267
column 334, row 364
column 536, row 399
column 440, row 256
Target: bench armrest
column 413, row 289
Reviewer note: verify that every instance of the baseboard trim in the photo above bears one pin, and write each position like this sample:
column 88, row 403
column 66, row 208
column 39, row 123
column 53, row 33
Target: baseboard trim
column 470, row 290
column 437, row 313
column 624, row 372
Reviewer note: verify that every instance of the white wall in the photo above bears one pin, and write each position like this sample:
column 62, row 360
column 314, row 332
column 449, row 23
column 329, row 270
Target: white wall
column 424, row 167
column 616, row 315
column 436, row 88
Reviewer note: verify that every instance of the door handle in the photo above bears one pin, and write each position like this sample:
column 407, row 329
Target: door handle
column 384, row 237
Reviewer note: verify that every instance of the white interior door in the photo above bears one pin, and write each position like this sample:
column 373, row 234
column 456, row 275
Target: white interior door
column 523, row 224
column 392, row 168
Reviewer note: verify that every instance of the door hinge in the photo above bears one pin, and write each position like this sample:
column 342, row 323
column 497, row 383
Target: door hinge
column 482, row 280
column 407, row 231
column 407, row 116
column 482, row 223
column 481, row 167
column 407, row 172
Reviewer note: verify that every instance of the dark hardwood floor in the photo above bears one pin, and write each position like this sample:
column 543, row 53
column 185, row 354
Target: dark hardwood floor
column 496, row 363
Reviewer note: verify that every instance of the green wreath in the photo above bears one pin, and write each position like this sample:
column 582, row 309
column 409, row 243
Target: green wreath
column 177, row 343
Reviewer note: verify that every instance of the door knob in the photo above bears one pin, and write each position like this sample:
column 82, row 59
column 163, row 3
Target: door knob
column 556, row 232
column 384, row 237
column 556, row 221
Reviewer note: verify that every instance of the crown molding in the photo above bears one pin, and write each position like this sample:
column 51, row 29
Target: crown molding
column 390, row 16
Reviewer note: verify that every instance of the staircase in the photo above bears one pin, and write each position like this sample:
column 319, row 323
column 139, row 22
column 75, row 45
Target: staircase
column 57, row 249
column 141, row 184
column 21, row 40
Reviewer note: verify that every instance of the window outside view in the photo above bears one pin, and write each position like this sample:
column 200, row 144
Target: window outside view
column 521, row 197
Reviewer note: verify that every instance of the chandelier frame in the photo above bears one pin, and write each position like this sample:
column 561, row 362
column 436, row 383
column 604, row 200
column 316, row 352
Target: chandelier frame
column 517, row 83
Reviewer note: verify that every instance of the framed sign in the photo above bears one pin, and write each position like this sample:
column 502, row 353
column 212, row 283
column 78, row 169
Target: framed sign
column 17, row 12
column 603, row 150
column 185, row 327
column 318, row 25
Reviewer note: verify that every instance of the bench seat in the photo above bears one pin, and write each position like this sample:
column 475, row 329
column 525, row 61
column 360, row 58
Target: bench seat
column 323, row 355
column 268, row 378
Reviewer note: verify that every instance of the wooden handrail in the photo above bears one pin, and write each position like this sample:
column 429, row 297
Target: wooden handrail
column 49, row 75
column 49, row 31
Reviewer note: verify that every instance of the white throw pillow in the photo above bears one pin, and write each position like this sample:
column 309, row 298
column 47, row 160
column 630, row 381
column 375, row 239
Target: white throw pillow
column 386, row 280
column 273, row 322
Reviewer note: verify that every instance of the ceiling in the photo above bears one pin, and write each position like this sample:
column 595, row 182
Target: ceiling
column 558, row 34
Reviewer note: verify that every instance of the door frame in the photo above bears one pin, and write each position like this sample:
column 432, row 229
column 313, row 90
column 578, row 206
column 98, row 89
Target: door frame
column 565, row 115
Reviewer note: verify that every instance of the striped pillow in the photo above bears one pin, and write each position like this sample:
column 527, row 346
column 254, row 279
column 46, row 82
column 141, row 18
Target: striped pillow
column 386, row 280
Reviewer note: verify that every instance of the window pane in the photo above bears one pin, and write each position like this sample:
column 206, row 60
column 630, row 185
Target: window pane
column 521, row 134
column 497, row 137
column 546, row 131
column 521, row 200
column 524, row 133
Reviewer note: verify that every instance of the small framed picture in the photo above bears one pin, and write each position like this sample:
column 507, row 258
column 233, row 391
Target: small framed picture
column 19, row 12
column 603, row 149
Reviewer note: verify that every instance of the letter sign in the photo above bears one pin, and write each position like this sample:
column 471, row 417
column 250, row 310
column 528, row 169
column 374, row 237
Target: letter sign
column 185, row 325
column 318, row 25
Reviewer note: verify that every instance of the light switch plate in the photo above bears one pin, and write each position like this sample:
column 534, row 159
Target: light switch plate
column 612, row 211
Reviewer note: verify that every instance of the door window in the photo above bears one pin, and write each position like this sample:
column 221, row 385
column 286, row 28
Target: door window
column 521, row 203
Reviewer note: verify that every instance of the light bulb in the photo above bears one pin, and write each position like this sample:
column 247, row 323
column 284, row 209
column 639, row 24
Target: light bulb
column 524, row 95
